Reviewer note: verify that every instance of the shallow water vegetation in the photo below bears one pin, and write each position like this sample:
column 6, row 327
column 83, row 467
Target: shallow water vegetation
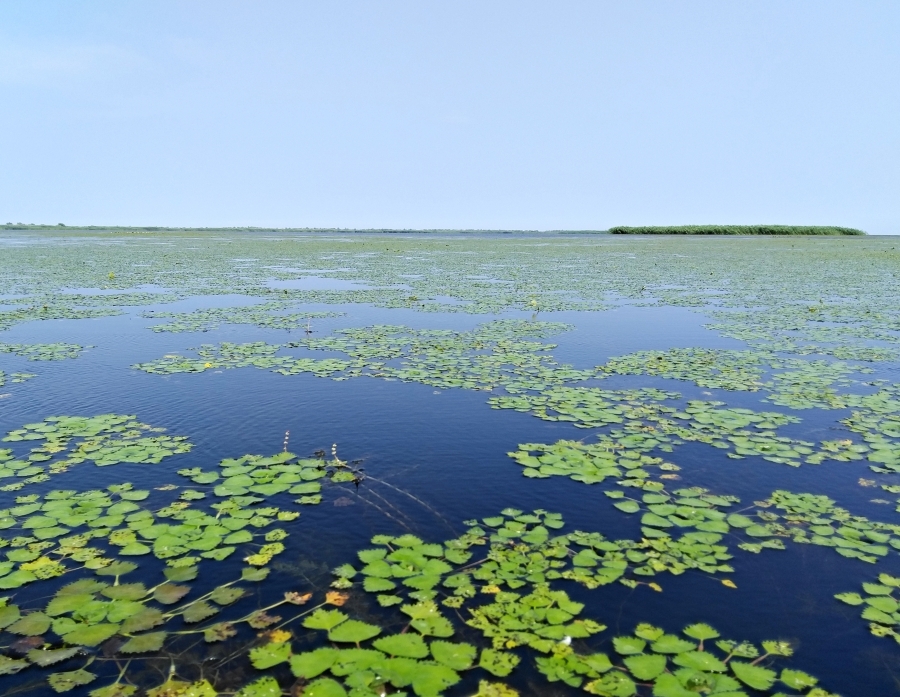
column 43, row 352
column 824, row 295
column 880, row 605
column 55, row 533
column 816, row 315
column 129, row 619
column 66, row 441
column 641, row 416
column 269, row 315
column 494, row 355
column 510, row 562
column 713, row 368
column 495, row 582
column 15, row 378
column 800, row 384
column 98, row 533
column 31, row 309
column 802, row 518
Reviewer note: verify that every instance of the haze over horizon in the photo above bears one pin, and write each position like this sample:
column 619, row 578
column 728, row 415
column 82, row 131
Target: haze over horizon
column 470, row 116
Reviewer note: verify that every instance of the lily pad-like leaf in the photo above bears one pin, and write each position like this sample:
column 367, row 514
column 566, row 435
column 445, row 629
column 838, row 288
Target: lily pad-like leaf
column 32, row 624
column 628, row 506
column 262, row 619
column 702, row 661
column 264, row 687
column 324, row 619
column 850, row 598
column 125, row 591
column 628, row 645
column 116, row 690
column 120, row 610
column 270, row 654
column 455, row 656
column 144, row 643
column 238, row 537
column 169, row 593
column 226, row 595
column 63, row 682
column 8, row 615
column 499, row 663
column 757, row 677
column 16, row 579
column 250, row 574
column 612, row 684
column 197, row 612
column 797, row 679
column 91, row 635
column 147, row 618
column 180, row 574
column 84, row 585
column 354, row 631
column 373, row 584
column 313, row 663
column 736, row 520
column 701, row 631
column 406, row 645
column 433, row 626
column 11, row 666
column 667, row 685
column 177, row 688
column 648, row 632
column 645, row 666
column 669, row 643
column 48, row 657
column 219, row 632
column 324, row 687
column 118, row 568
column 432, row 680
column 134, row 549
column 136, row 495
column 218, row 554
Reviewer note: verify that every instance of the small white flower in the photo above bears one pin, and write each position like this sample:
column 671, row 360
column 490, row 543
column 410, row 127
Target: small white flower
column 566, row 640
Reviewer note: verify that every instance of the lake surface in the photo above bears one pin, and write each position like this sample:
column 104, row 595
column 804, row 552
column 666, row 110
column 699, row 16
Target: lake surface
column 522, row 323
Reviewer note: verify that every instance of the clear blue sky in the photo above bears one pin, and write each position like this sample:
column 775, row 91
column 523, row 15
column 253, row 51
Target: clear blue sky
column 450, row 114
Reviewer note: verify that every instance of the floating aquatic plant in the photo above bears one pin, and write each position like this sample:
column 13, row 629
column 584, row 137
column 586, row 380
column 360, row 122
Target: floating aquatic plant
column 526, row 618
column 15, row 378
column 66, row 441
column 494, row 355
column 43, row 352
column 879, row 605
column 269, row 315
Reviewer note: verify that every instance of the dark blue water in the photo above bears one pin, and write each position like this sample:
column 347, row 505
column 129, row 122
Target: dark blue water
column 434, row 458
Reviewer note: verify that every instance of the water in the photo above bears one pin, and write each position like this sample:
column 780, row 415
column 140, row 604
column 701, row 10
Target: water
column 434, row 458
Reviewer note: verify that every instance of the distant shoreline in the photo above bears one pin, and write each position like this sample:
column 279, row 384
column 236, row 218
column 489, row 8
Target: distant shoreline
column 735, row 230
column 620, row 230
column 436, row 231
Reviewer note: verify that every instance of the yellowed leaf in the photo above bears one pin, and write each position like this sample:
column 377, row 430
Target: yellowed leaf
column 295, row 598
column 279, row 636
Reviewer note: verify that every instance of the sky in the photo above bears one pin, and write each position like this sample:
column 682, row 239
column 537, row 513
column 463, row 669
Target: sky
column 483, row 114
